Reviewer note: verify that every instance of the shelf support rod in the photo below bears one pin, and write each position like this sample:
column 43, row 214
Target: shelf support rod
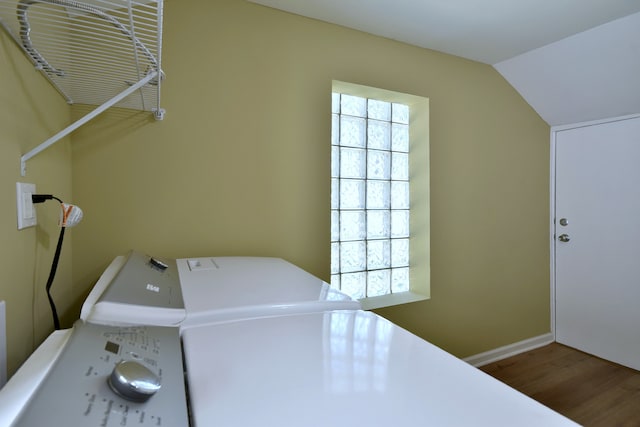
column 66, row 131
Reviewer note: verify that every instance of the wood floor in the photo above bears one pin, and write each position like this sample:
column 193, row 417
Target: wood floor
column 586, row 389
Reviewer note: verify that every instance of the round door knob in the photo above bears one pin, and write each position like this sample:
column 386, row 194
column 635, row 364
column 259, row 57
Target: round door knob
column 564, row 238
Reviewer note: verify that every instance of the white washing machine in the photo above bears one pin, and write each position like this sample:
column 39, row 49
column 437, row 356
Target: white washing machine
column 100, row 375
column 16, row 393
column 139, row 289
column 341, row 369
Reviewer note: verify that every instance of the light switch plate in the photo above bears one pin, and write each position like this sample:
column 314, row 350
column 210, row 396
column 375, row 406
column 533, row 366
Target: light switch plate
column 26, row 210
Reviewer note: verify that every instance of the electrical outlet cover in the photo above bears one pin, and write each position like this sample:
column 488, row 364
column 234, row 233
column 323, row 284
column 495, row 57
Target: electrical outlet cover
column 26, row 211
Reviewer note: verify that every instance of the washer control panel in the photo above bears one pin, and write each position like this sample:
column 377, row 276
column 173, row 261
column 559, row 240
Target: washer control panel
column 77, row 392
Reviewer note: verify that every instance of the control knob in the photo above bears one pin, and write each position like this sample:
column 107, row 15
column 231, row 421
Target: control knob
column 133, row 381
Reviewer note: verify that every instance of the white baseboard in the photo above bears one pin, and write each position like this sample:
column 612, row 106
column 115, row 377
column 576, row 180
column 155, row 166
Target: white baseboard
column 509, row 350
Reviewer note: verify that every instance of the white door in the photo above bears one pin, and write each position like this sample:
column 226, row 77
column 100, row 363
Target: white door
column 597, row 251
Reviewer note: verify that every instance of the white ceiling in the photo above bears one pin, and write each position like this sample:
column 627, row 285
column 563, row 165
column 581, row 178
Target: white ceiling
column 549, row 50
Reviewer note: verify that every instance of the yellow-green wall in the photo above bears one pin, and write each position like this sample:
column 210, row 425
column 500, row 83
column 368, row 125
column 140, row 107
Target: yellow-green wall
column 30, row 112
column 241, row 164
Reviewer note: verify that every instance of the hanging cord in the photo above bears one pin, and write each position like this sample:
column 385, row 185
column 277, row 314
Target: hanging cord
column 66, row 211
column 52, row 274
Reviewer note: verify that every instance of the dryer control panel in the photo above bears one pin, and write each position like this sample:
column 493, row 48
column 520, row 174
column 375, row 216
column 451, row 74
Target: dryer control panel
column 146, row 281
column 136, row 290
column 77, row 393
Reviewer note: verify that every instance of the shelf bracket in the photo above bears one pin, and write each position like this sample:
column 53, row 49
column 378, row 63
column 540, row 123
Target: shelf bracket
column 75, row 125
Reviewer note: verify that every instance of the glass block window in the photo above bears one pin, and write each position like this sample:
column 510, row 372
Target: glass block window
column 369, row 196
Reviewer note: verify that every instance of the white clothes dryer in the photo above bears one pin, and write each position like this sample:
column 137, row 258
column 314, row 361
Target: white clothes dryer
column 139, row 289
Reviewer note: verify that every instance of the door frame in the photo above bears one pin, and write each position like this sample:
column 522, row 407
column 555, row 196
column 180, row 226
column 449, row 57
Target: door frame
column 552, row 202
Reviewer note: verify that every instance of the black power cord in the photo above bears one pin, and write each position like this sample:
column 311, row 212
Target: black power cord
column 40, row 198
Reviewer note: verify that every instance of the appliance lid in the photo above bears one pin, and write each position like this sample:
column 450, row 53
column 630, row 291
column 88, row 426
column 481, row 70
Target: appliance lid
column 341, row 368
column 225, row 288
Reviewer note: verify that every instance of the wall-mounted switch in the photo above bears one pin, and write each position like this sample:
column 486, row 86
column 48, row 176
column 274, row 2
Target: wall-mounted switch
column 26, row 211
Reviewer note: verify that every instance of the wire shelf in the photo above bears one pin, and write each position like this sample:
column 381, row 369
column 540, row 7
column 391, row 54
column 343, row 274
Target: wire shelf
column 93, row 50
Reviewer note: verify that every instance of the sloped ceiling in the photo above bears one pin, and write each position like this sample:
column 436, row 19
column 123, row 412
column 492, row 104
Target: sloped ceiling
column 572, row 60
column 591, row 75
